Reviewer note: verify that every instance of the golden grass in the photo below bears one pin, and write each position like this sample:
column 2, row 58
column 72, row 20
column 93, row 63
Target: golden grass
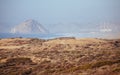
column 58, row 56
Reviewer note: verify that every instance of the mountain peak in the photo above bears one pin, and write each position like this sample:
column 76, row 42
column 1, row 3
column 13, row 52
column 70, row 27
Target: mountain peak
column 30, row 20
column 29, row 27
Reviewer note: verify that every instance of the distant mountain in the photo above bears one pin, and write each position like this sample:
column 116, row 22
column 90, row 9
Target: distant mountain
column 29, row 27
column 106, row 27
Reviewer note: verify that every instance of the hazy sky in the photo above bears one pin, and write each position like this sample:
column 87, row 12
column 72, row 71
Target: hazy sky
column 69, row 15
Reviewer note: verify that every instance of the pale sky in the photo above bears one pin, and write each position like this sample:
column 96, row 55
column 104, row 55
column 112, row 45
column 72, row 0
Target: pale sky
column 59, row 15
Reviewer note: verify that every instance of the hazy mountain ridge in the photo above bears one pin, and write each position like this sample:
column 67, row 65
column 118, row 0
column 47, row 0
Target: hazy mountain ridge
column 29, row 27
column 109, row 27
column 102, row 27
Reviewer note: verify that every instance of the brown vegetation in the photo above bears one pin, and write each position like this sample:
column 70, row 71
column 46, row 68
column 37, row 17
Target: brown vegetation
column 60, row 56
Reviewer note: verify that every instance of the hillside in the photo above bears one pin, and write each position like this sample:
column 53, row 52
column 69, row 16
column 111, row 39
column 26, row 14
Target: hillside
column 59, row 56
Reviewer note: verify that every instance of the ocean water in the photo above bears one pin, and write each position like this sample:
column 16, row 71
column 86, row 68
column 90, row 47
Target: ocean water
column 52, row 35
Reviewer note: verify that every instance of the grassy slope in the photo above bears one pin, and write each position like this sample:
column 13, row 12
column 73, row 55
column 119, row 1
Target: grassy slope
column 61, row 56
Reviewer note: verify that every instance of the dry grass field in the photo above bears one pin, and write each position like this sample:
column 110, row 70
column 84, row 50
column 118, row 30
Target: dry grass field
column 59, row 56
